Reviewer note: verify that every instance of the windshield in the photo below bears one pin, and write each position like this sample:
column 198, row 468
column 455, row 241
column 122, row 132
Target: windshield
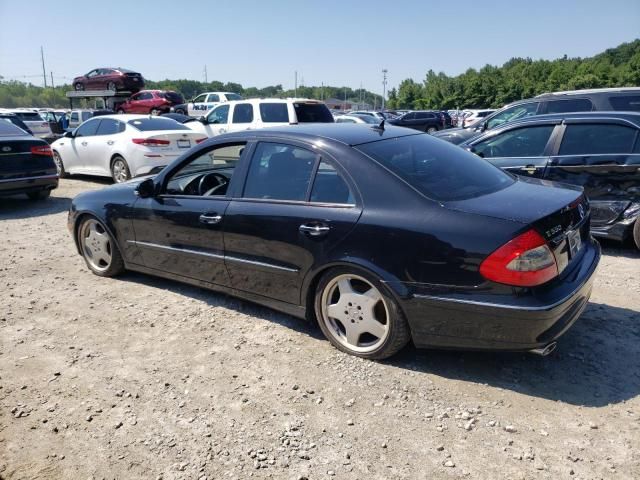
column 155, row 123
column 439, row 170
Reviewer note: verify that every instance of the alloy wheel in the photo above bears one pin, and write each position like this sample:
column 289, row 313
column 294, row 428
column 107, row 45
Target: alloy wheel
column 59, row 165
column 355, row 313
column 111, row 86
column 96, row 245
column 120, row 171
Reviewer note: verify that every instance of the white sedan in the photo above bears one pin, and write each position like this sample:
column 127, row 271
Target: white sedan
column 122, row 146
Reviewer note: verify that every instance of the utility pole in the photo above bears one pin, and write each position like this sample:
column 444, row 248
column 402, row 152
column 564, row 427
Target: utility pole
column 52, row 85
column 344, row 107
column 206, row 80
column 384, row 85
column 360, row 98
column 295, row 88
column 44, row 72
column 322, row 91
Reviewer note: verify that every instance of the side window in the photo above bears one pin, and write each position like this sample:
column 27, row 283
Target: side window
column 213, row 98
column 590, row 139
column 243, row 113
column 330, row 187
column 409, row 116
column 575, row 105
column 92, row 73
column 145, row 96
column 520, row 142
column 208, row 173
column 423, row 115
column 200, row 98
column 279, row 172
column 630, row 103
column 87, row 129
column 274, row 112
column 136, row 97
column 514, row 113
column 109, row 126
column 219, row 114
column 74, row 116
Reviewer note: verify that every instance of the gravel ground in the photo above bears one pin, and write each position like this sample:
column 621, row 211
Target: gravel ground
column 139, row 377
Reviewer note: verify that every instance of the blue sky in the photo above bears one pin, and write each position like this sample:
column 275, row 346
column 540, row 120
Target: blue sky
column 259, row 43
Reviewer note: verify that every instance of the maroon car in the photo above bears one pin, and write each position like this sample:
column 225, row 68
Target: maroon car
column 154, row 102
column 110, row 79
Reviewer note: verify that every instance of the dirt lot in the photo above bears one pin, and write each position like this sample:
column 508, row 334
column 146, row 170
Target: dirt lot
column 138, row 377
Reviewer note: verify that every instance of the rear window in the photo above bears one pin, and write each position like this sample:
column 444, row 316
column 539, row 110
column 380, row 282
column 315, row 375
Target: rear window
column 172, row 97
column 8, row 129
column 591, row 139
column 274, row 112
column 437, row 169
column 156, row 123
column 312, row 113
column 630, row 103
column 574, row 105
column 29, row 116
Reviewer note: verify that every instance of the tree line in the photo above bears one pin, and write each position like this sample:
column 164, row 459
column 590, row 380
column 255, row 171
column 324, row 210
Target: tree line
column 18, row 94
column 490, row 86
column 519, row 78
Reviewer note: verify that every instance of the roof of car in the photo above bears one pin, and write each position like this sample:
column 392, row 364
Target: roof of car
column 348, row 134
column 590, row 91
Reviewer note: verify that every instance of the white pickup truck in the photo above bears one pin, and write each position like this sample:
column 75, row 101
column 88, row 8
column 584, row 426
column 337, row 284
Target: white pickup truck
column 204, row 102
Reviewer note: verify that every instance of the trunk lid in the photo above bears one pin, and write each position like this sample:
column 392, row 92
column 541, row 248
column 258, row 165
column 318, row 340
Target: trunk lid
column 559, row 212
column 17, row 161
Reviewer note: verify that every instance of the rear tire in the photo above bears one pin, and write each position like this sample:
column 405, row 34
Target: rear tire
column 636, row 233
column 180, row 111
column 39, row 195
column 99, row 249
column 121, row 111
column 59, row 165
column 120, row 170
column 367, row 322
column 154, row 112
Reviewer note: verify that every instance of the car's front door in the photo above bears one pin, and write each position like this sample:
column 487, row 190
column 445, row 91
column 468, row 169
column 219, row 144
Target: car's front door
column 179, row 231
column 77, row 157
column 196, row 108
column 216, row 122
column 102, row 146
column 296, row 206
column 521, row 150
column 603, row 157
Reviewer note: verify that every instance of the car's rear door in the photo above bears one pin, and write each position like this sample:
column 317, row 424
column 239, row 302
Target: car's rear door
column 603, row 157
column 243, row 117
column 521, row 150
column 296, row 206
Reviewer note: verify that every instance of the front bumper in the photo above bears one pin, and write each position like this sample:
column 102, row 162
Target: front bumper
column 516, row 323
column 14, row 186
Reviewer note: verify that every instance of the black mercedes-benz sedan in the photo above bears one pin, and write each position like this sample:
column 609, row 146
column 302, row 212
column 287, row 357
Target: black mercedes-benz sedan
column 26, row 164
column 381, row 235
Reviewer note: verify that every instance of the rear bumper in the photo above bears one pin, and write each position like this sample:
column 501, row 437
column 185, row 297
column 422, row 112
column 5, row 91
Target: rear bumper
column 513, row 323
column 15, row 186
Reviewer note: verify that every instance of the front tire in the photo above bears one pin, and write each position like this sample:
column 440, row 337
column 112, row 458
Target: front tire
column 111, row 86
column 121, row 111
column 99, row 249
column 120, row 170
column 39, row 195
column 78, row 87
column 154, row 112
column 358, row 314
column 431, row 130
column 180, row 111
column 59, row 165
column 636, row 233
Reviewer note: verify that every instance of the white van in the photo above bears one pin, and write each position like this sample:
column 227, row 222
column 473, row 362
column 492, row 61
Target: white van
column 259, row 113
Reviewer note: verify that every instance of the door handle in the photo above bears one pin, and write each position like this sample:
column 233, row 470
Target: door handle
column 314, row 230
column 110, row 142
column 210, row 219
column 530, row 169
column 84, row 144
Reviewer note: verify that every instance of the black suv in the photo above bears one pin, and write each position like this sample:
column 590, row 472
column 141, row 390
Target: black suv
column 602, row 99
column 423, row 120
column 599, row 151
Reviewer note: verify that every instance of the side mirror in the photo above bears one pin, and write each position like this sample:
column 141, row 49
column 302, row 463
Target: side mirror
column 483, row 126
column 68, row 134
column 202, row 119
column 146, row 188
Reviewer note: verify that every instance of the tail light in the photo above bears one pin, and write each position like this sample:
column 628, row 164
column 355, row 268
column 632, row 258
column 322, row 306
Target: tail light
column 525, row 261
column 200, row 140
column 150, row 142
column 42, row 150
